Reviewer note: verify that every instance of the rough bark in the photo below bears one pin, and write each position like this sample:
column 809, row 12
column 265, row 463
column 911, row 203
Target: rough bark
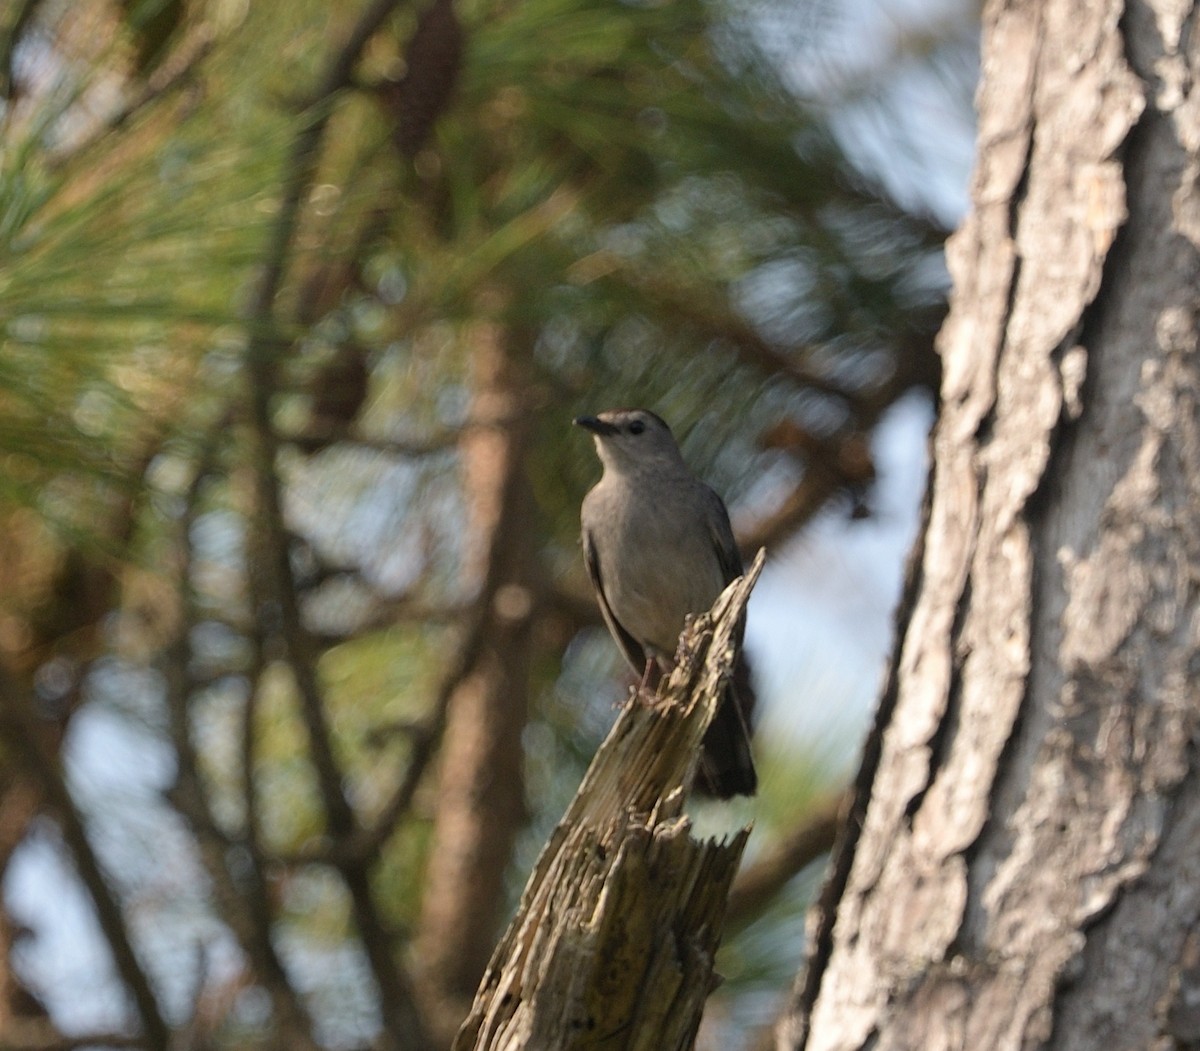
column 614, row 941
column 1024, row 869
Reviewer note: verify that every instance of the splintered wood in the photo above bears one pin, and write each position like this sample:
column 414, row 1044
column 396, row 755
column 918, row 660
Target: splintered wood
column 614, row 940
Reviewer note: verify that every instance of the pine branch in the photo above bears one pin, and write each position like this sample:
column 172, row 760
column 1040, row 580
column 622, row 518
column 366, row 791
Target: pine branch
column 402, row 1022
column 173, row 74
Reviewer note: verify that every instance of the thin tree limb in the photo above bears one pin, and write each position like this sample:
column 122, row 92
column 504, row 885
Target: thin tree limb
column 17, row 719
column 244, row 904
column 425, row 742
column 718, row 319
column 425, row 737
column 916, row 365
column 314, row 438
column 39, row 1035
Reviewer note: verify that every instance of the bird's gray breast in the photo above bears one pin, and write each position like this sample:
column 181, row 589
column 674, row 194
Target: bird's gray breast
column 657, row 559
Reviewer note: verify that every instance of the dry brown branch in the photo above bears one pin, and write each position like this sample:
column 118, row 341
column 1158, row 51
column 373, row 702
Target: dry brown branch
column 834, row 464
column 40, row 1035
column 615, row 937
column 810, row 495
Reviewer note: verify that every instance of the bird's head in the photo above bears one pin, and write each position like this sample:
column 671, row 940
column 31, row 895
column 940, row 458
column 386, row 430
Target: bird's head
column 631, row 439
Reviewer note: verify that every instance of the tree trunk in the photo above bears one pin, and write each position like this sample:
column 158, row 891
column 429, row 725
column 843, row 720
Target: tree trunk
column 1022, row 867
column 481, row 801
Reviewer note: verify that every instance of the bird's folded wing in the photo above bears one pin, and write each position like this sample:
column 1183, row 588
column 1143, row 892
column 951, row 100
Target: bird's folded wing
column 629, row 645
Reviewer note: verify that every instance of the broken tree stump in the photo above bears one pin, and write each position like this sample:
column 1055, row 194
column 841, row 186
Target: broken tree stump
column 614, row 940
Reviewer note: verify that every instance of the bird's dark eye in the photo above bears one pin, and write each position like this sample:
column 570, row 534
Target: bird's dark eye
column 636, row 427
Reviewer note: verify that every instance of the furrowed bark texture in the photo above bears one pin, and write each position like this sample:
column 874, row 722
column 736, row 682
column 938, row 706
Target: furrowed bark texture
column 613, row 943
column 1025, row 867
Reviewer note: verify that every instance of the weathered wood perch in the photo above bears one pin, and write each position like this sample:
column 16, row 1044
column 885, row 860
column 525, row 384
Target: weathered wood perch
column 613, row 942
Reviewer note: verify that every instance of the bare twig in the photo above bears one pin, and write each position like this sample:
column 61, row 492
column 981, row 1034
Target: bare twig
column 38, row 1035
column 249, row 748
column 809, row 496
column 917, row 365
column 425, row 742
column 299, row 173
column 314, row 438
column 425, row 736
column 260, row 356
column 244, row 904
column 17, row 718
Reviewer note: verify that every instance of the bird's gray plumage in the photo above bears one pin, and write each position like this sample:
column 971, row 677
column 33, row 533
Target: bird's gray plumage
column 659, row 547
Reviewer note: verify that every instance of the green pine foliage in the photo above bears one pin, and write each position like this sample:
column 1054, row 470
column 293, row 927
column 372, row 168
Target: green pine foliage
column 626, row 185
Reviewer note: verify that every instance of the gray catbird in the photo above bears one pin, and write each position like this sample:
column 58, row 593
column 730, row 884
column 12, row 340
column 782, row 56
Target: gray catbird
column 659, row 547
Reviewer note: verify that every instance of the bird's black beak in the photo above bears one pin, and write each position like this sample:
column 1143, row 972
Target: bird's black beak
column 595, row 425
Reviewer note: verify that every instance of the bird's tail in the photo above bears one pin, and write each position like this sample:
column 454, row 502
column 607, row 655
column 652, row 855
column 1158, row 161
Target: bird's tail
column 726, row 762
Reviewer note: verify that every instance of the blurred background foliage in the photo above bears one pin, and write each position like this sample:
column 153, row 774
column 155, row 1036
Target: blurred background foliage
column 298, row 664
